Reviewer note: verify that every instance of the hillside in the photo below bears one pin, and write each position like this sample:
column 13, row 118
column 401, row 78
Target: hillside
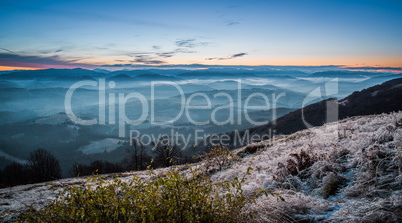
column 343, row 171
column 378, row 99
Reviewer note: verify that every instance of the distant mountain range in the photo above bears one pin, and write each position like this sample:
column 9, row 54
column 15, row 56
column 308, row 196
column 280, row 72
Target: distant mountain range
column 334, row 74
column 50, row 74
column 183, row 73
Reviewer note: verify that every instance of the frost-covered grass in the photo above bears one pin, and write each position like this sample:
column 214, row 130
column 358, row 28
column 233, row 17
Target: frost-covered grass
column 346, row 171
column 352, row 173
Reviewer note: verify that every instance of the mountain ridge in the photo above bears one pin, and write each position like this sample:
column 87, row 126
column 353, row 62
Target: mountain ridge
column 363, row 102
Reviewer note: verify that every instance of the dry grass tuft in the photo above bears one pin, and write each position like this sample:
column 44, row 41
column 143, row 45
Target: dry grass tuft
column 331, row 185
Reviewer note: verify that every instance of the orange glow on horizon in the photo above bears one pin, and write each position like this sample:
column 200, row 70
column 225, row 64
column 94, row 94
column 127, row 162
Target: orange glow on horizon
column 7, row 68
column 341, row 62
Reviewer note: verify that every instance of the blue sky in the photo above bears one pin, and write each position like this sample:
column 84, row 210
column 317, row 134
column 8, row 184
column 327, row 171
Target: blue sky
column 87, row 34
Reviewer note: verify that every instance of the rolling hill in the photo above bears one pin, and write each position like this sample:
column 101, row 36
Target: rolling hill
column 383, row 98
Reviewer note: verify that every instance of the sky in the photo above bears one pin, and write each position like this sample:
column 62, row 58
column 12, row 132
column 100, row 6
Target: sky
column 126, row 34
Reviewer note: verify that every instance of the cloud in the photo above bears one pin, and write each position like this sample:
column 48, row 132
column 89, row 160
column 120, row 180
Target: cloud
column 171, row 66
column 13, row 57
column 49, row 51
column 232, row 23
column 55, row 61
column 189, row 43
column 145, row 59
column 49, row 58
column 238, row 55
column 227, row 58
column 166, row 54
column 157, row 57
column 7, row 50
column 176, row 51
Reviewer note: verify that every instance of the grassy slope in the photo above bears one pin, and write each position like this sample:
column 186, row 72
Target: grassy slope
column 354, row 172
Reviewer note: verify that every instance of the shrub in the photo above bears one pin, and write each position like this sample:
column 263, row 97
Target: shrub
column 169, row 198
column 219, row 158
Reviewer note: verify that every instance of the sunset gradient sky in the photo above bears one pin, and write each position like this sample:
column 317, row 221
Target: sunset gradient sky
column 92, row 34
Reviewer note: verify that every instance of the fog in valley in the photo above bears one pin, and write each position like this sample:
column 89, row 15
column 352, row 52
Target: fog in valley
column 150, row 102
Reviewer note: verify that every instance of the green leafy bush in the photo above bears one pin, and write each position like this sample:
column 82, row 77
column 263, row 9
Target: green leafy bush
column 171, row 197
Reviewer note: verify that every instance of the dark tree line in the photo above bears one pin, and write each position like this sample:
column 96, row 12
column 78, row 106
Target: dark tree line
column 41, row 166
column 165, row 153
column 162, row 153
column 96, row 167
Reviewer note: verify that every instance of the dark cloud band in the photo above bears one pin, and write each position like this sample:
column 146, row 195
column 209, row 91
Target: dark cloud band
column 227, row 58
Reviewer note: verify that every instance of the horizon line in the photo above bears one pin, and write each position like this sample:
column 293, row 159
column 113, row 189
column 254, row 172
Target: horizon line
column 116, row 67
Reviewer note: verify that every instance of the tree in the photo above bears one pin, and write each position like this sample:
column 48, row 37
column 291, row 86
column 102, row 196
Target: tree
column 44, row 166
column 167, row 152
column 140, row 159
